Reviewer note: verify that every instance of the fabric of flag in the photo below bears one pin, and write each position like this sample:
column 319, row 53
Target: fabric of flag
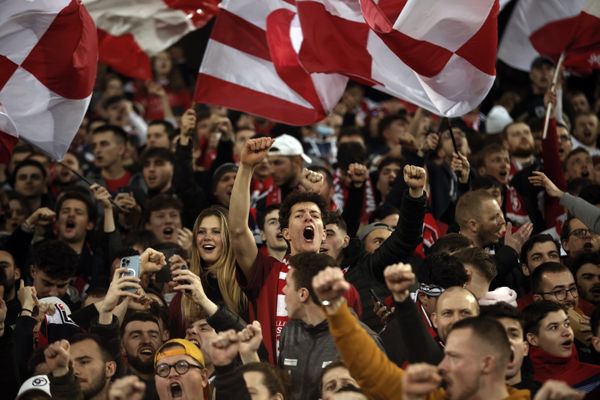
column 48, row 61
column 536, row 25
column 438, row 57
column 132, row 31
column 578, row 37
column 251, row 64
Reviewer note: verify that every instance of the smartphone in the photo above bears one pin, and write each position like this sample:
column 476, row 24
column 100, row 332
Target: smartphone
column 132, row 264
column 375, row 297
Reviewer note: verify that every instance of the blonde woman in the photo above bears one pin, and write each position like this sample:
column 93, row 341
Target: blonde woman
column 213, row 261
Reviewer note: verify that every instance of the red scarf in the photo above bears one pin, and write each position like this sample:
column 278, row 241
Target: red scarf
column 567, row 369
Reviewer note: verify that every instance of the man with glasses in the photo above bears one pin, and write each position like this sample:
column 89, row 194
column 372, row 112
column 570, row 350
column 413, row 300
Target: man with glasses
column 554, row 282
column 179, row 370
column 578, row 239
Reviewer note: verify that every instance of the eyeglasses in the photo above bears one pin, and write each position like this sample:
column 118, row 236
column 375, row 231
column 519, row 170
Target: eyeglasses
column 181, row 367
column 581, row 233
column 561, row 294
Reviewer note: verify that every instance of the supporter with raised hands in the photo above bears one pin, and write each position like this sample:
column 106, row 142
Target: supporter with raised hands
column 127, row 388
column 63, row 383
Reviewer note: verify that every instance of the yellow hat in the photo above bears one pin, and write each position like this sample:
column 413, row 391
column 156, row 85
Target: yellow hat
column 177, row 347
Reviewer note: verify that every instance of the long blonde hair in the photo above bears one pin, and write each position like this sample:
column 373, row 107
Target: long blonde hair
column 223, row 269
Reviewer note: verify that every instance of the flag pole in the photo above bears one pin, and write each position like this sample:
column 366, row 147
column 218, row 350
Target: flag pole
column 549, row 110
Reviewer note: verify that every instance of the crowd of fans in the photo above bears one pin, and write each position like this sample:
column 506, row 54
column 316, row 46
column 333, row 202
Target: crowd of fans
column 185, row 251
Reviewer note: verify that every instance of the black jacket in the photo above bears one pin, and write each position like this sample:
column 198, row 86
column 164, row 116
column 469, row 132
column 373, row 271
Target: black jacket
column 304, row 352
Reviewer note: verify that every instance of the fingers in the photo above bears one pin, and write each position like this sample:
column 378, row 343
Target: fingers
column 330, row 284
column 312, row 176
column 259, row 144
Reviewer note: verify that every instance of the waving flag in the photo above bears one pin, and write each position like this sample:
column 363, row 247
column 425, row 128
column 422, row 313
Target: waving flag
column 578, row 37
column 131, row 31
column 250, row 64
column 547, row 23
column 48, row 60
column 439, row 57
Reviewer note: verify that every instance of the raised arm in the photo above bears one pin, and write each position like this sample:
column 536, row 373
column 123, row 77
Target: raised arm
column 244, row 245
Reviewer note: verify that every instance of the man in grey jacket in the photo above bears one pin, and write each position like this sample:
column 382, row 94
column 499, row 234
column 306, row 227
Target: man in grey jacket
column 306, row 347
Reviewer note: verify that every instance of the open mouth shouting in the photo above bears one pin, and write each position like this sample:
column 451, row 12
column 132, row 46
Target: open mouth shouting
column 309, row 233
column 146, row 351
column 168, row 232
column 567, row 345
column 70, row 225
column 175, row 390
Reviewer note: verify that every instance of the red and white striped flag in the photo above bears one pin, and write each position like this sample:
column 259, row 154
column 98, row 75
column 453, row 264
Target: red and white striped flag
column 48, row 61
column 439, row 57
column 131, row 31
column 547, row 23
column 250, row 64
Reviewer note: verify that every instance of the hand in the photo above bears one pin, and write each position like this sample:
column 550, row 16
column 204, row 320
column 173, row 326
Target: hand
column 101, row 195
column 415, row 177
column 186, row 280
column 383, row 312
column 431, row 142
column 41, row 217
column 27, row 296
column 58, row 358
column 118, row 289
column 224, row 348
column 185, row 238
column 3, row 310
column 188, row 122
column 517, row 239
column 128, row 388
column 223, row 125
column 255, row 150
column 419, row 380
column 151, row 261
column 312, row 181
column 358, row 174
column 550, row 97
column 555, row 390
column 250, row 339
column 399, row 278
column 330, row 284
column 126, row 202
column 461, row 167
column 540, row 179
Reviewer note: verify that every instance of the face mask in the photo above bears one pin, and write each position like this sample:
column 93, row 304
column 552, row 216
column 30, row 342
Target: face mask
column 324, row 130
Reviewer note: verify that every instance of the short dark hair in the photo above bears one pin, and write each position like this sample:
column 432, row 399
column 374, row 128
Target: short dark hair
column 335, row 218
column 349, row 131
column 56, row 259
column 156, row 152
column 534, row 313
column 77, row 195
column 444, row 270
column 383, row 211
column 450, row 243
column 300, row 197
column 28, row 162
column 488, row 330
column 113, row 100
column 492, row 148
column 349, row 153
column 388, row 120
column 116, row 130
column 538, row 273
column 273, row 379
column 138, row 316
column 566, row 228
column 169, row 128
column 485, row 182
column 306, row 266
column 105, row 352
column 533, row 240
column 261, row 215
column 160, row 202
column 480, row 260
column 501, row 310
column 585, row 258
column 387, row 161
column 573, row 153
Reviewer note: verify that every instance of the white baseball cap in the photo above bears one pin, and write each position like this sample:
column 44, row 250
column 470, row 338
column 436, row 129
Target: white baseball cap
column 39, row 383
column 287, row 145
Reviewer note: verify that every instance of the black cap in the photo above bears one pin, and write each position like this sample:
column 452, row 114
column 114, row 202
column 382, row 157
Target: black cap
column 540, row 61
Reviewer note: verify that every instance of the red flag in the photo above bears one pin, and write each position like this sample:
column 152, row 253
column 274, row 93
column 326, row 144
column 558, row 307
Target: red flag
column 251, row 64
column 438, row 57
column 131, row 31
column 536, row 27
column 48, row 61
column 578, row 37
